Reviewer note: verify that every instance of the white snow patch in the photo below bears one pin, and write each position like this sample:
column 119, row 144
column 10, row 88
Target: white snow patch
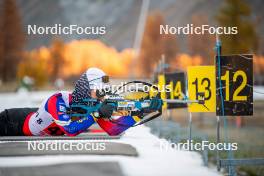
column 23, row 98
column 258, row 93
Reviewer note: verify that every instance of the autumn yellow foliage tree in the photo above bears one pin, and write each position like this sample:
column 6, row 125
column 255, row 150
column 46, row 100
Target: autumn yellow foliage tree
column 182, row 61
column 71, row 59
column 34, row 67
column 57, row 59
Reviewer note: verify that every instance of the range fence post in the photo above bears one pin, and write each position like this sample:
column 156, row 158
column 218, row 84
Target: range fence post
column 218, row 141
column 218, row 49
column 190, row 127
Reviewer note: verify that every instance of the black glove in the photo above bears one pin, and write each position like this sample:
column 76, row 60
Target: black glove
column 106, row 111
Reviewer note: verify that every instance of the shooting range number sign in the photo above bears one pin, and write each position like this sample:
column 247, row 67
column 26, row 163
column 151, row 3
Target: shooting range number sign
column 237, row 85
column 201, row 86
column 174, row 84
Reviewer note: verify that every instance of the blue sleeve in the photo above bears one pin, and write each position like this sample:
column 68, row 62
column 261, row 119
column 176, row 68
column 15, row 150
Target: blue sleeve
column 79, row 125
column 63, row 120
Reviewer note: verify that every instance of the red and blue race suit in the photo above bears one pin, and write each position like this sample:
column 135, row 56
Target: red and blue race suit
column 52, row 119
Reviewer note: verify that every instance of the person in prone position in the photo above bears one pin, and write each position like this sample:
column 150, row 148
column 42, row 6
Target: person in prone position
column 51, row 118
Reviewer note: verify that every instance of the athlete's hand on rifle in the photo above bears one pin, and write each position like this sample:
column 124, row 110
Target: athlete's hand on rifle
column 106, row 111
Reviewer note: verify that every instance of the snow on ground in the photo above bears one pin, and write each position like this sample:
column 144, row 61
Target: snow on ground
column 22, row 99
column 152, row 160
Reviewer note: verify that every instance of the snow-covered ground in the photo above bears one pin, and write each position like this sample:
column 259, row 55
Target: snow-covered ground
column 22, row 99
column 151, row 160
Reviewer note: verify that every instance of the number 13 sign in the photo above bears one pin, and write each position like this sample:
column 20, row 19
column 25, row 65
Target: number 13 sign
column 201, row 82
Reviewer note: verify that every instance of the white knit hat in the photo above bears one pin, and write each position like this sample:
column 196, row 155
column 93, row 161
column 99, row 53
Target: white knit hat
column 93, row 75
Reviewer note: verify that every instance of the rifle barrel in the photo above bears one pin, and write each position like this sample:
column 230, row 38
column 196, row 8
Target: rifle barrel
column 180, row 101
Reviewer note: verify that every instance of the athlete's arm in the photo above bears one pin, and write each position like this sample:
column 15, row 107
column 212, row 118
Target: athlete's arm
column 57, row 108
column 120, row 122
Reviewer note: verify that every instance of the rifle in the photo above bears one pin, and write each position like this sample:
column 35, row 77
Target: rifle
column 139, row 107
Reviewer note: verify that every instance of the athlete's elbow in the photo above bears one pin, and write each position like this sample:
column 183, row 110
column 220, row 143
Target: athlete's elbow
column 71, row 131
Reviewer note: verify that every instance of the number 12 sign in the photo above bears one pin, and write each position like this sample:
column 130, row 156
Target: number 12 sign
column 201, row 85
column 237, row 85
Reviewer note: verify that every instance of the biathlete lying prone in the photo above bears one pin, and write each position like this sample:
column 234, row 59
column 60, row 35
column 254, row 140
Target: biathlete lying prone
column 51, row 118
